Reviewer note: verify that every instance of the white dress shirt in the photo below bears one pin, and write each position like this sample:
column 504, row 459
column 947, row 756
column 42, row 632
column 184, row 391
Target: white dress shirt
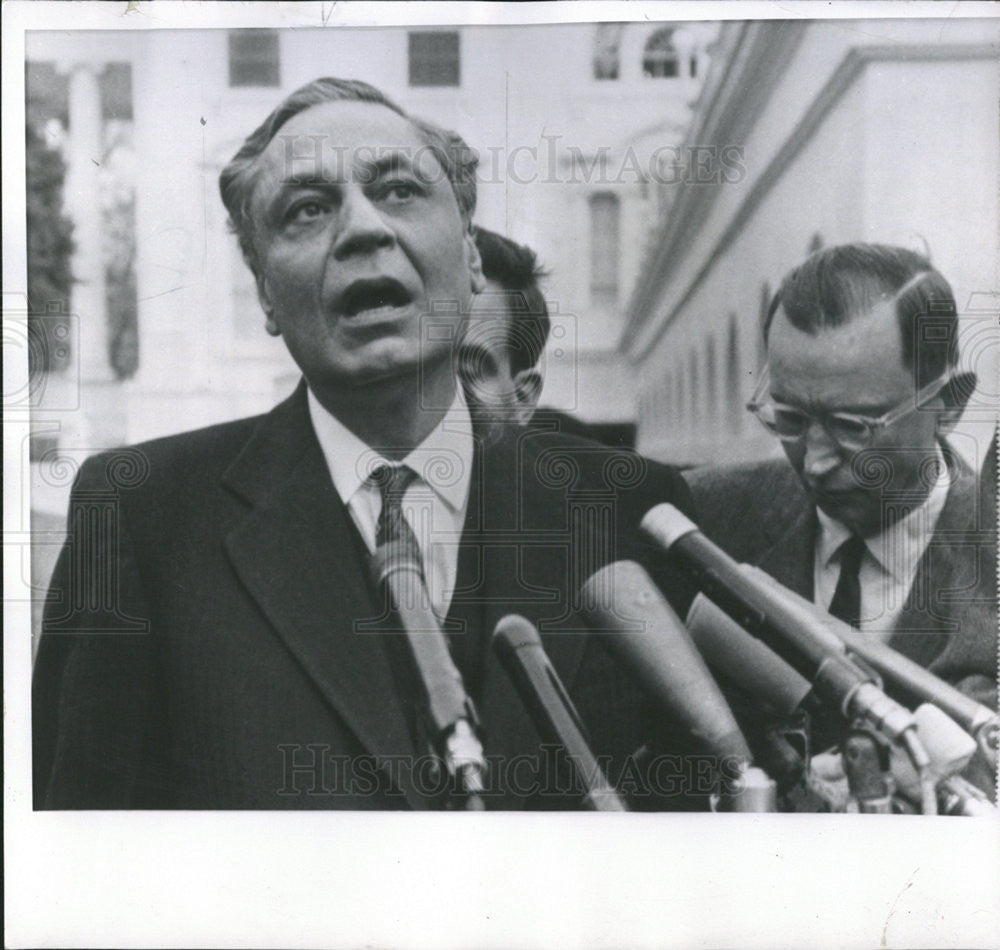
column 436, row 501
column 889, row 563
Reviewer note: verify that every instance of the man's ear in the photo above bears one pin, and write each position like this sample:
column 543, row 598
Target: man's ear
column 956, row 396
column 528, row 388
column 477, row 280
column 264, row 296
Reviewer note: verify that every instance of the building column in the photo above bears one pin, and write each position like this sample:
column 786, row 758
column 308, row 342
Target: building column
column 100, row 423
column 82, row 201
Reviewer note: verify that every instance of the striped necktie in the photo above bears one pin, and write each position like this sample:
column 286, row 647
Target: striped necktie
column 395, row 541
column 392, row 481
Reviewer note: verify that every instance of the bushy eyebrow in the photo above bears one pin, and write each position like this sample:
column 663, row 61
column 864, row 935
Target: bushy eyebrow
column 396, row 161
column 369, row 165
column 369, row 170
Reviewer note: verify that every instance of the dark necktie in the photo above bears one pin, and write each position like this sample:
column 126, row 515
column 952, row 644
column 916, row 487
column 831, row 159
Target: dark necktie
column 392, row 526
column 846, row 603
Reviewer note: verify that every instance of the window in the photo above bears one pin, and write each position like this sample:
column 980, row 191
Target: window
column 254, row 58
column 695, row 400
column 604, row 223
column 734, row 384
column 659, row 58
column 47, row 93
column 42, row 446
column 434, row 59
column 679, row 392
column 116, row 91
column 606, row 45
column 711, row 382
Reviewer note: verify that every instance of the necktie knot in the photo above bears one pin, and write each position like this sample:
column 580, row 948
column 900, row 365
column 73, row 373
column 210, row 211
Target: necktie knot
column 851, row 553
column 392, row 481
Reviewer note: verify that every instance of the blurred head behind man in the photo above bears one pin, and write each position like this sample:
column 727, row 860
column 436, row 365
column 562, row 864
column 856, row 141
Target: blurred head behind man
column 355, row 219
column 861, row 349
column 507, row 332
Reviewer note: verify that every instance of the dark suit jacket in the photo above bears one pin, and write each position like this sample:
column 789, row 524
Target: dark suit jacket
column 760, row 514
column 200, row 647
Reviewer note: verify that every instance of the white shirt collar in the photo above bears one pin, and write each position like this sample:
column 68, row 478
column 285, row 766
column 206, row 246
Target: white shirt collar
column 900, row 546
column 443, row 460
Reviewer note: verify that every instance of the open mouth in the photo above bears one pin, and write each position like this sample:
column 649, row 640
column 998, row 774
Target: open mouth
column 376, row 294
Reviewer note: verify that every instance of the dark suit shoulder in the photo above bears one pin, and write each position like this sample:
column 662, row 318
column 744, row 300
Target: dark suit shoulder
column 167, row 463
column 744, row 478
column 738, row 504
column 590, row 465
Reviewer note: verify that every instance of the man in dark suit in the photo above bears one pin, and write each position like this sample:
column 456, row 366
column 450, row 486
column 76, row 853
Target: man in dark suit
column 872, row 516
column 214, row 637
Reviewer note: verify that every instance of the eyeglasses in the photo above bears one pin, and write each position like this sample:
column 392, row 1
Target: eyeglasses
column 851, row 432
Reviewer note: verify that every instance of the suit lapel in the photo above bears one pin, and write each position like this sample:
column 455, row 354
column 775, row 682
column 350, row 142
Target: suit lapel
column 788, row 537
column 295, row 553
column 946, row 580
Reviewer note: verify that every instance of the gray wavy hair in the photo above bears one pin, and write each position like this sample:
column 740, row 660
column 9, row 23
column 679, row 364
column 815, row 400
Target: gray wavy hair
column 239, row 178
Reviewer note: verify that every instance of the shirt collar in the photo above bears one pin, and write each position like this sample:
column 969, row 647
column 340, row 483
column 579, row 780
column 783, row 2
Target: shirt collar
column 443, row 460
column 900, row 546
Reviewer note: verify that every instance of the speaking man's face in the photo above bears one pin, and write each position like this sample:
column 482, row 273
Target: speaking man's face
column 359, row 238
column 854, row 368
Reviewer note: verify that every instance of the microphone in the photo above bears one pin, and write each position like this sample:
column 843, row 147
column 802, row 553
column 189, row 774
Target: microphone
column 760, row 672
column 450, row 712
column 949, row 746
column 866, row 763
column 978, row 720
column 520, row 650
column 647, row 636
column 746, row 661
column 950, row 749
column 788, row 626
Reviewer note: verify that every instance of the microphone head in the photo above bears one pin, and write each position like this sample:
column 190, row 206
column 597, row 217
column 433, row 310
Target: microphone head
column 648, row 638
column 619, row 598
column 514, row 632
column 665, row 525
